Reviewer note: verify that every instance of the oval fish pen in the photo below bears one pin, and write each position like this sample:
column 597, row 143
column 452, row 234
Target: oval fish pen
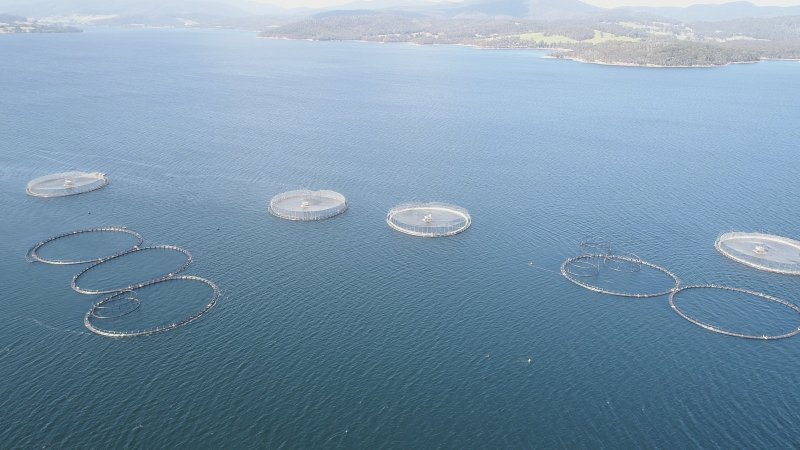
column 617, row 263
column 305, row 205
column 66, row 183
column 93, row 312
column 77, row 288
column 33, row 253
column 761, row 251
column 715, row 329
column 428, row 219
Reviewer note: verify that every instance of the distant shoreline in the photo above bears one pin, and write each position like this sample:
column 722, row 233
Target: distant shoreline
column 549, row 56
column 646, row 66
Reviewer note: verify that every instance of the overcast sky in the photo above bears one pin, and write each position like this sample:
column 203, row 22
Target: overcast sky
column 602, row 3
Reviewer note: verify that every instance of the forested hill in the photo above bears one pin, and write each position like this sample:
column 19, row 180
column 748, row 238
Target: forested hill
column 611, row 39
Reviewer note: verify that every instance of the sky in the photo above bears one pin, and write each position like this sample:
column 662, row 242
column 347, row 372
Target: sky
column 601, row 3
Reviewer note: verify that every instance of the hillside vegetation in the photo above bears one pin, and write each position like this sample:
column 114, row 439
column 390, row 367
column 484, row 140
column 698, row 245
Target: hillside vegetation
column 610, row 40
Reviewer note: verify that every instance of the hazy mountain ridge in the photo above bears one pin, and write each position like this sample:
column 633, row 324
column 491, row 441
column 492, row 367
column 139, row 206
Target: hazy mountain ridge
column 715, row 13
column 532, row 9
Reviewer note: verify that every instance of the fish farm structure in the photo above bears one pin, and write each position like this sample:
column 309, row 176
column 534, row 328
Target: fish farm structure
column 66, row 183
column 761, row 251
column 428, row 219
column 715, row 329
column 97, row 310
column 82, row 290
column 303, row 205
column 579, row 269
column 33, row 253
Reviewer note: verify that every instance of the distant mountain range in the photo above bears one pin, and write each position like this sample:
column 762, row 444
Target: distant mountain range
column 715, row 13
column 232, row 8
column 532, row 9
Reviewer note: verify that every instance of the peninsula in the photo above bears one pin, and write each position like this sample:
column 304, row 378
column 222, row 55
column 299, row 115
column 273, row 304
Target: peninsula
column 605, row 39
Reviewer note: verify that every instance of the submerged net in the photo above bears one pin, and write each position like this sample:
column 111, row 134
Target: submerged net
column 720, row 330
column 761, row 251
column 99, row 310
column 428, row 219
column 307, row 205
column 119, row 307
column 595, row 245
column 66, row 183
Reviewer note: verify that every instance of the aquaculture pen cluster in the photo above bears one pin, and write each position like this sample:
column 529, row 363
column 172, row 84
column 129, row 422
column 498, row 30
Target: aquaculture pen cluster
column 597, row 255
column 431, row 219
column 123, row 300
column 99, row 310
column 761, row 251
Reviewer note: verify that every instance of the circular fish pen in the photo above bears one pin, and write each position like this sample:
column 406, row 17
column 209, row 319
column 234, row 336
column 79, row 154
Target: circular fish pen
column 575, row 270
column 33, row 253
column 66, row 183
column 428, row 219
column 303, row 205
column 715, row 329
column 93, row 312
column 171, row 274
column 761, row 251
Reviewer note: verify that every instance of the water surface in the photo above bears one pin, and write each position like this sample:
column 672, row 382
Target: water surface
column 344, row 333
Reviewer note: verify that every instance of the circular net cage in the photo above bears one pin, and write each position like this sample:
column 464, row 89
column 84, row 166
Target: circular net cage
column 307, row 205
column 185, row 262
column 107, row 316
column 621, row 275
column 34, row 252
column 716, row 329
column 761, row 251
column 428, row 219
column 66, row 183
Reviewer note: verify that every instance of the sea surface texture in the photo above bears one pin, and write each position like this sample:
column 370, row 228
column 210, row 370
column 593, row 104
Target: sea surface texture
column 346, row 334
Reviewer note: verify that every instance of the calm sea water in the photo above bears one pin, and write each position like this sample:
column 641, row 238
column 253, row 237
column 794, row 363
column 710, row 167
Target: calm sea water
column 345, row 334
